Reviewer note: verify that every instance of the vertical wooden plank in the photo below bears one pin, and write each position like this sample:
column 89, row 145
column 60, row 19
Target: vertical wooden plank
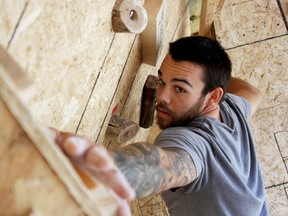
column 206, row 18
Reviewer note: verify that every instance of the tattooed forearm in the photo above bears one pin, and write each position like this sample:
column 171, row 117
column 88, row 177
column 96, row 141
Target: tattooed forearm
column 149, row 169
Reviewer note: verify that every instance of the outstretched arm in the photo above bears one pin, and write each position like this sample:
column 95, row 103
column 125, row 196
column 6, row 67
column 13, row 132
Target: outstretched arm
column 150, row 169
column 241, row 88
column 140, row 168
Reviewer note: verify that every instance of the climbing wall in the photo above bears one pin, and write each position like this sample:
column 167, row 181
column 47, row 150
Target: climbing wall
column 82, row 70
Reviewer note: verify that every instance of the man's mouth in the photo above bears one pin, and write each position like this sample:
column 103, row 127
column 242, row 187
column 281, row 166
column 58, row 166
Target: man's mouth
column 162, row 111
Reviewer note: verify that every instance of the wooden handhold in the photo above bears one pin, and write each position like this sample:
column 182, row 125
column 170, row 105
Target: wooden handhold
column 129, row 16
column 206, row 19
column 121, row 130
column 148, row 102
column 152, row 36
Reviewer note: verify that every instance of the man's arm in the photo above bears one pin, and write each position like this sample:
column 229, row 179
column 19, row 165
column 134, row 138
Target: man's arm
column 150, row 169
column 243, row 89
column 147, row 168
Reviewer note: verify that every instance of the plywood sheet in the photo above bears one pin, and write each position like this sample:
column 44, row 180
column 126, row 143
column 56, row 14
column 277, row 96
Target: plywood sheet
column 264, row 65
column 249, row 21
column 10, row 13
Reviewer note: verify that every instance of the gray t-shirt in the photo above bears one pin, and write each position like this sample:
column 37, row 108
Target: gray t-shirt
column 229, row 180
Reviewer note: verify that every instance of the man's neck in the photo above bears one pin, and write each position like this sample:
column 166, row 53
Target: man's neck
column 213, row 112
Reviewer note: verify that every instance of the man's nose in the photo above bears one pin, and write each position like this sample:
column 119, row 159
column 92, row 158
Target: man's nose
column 163, row 95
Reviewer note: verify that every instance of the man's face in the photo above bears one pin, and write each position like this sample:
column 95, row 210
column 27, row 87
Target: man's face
column 179, row 92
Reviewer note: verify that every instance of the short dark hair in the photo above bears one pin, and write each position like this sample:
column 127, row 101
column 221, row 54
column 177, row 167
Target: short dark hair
column 209, row 54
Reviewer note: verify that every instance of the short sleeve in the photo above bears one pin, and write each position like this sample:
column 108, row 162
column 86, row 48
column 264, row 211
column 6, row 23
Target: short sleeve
column 194, row 144
column 240, row 102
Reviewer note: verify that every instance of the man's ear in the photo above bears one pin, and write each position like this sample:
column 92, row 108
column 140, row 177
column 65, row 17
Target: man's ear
column 215, row 96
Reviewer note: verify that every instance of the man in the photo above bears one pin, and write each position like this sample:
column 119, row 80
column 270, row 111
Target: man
column 204, row 161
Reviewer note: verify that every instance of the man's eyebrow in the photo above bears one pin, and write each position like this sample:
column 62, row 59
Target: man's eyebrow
column 176, row 79
column 182, row 80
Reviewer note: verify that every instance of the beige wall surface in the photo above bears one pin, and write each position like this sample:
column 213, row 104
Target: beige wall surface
column 81, row 68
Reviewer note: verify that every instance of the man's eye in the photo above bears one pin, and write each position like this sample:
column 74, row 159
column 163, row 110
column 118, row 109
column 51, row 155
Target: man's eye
column 160, row 82
column 180, row 90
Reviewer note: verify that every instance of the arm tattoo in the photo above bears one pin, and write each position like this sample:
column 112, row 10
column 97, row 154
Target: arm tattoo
column 150, row 169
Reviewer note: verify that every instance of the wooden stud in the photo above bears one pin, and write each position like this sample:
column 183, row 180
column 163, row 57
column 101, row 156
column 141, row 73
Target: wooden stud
column 152, row 36
column 206, row 19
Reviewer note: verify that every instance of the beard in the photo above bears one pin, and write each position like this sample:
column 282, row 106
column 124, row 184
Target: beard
column 177, row 119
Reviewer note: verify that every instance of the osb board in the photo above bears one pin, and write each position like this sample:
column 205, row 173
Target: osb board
column 10, row 11
column 27, row 183
column 106, row 85
column 62, row 45
column 249, row 21
column 150, row 206
column 91, row 123
column 277, row 200
column 264, row 64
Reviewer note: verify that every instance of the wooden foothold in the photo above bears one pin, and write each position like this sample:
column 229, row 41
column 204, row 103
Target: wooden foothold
column 121, row 130
column 129, row 16
column 148, row 102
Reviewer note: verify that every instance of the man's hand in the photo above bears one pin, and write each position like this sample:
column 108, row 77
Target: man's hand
column 99, row 163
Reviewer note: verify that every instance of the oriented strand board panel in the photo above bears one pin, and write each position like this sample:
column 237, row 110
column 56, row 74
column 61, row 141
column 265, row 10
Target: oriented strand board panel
column 249, row 21
column 62, row 46
column 264, row 64
column 10, row 13
column 278, row 200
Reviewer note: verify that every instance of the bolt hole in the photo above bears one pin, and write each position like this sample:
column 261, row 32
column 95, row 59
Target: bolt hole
column 133, row 15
